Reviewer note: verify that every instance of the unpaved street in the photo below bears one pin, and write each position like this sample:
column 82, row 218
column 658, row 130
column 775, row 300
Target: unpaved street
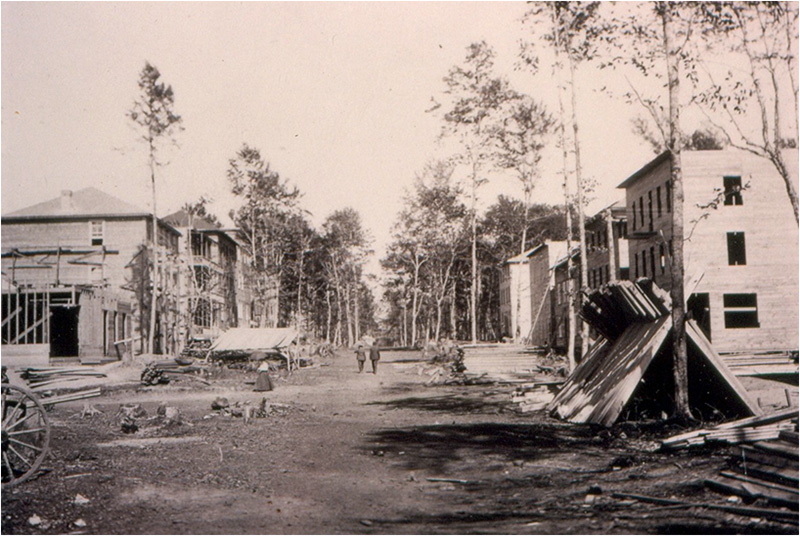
column 343, row 452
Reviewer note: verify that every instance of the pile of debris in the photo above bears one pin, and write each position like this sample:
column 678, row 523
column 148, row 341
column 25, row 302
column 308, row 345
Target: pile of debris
column 161, row 372
column 766, row 471
column 628, row 372
column 751, row 430
column 132, row 417
column 221, row 406
column 446, row 363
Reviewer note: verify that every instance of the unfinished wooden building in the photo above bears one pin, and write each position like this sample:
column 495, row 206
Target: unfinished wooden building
column 75, row 279
column 740, row 246
column 215, row 290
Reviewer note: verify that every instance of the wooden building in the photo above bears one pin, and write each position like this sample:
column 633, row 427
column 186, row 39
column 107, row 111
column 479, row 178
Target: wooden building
column 75, row 278
column 515, row 313
column 740, row 245
column 541, row 263
column 212, row 279
column 607, row 245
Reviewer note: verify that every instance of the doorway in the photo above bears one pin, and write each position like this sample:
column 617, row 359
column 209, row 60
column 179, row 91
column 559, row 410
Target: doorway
column 64, row 330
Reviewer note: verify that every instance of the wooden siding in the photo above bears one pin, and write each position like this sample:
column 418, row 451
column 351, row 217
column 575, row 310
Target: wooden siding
column 771, row 244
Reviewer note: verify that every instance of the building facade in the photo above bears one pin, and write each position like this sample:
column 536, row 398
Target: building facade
column 541, row 263
column 740, row 245
column 76, row 278
column 515, row 288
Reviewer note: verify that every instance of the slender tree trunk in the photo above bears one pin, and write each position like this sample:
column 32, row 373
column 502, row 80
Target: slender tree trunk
column 356, row 315
column 405, row 324
column 581, row 214
column 415, row 299
column 330, row 315
column 473, row 296
column 154, row 295
column 676, row 270
column 567, row 203
column 453, row 318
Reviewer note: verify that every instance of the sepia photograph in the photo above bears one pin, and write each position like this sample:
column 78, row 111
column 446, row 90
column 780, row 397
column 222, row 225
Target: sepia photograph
column 365, row 267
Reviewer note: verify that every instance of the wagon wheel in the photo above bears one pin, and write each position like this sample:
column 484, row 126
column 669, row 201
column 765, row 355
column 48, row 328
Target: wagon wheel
column 26, row 434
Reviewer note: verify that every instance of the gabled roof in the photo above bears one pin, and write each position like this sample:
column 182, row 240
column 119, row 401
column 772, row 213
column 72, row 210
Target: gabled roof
column 87, row 202
column 523, row 257
column 644, row 170
column 181, row 219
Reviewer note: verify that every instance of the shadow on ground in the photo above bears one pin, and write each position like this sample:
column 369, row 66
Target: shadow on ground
column 433, row 447
column 453, row 404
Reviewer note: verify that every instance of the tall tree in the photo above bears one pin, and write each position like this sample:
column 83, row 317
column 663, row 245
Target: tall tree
column 153, row 112
column 655, row 39
column 477, row 94
column 764, row 36
column 265, row 217
column 521, row 141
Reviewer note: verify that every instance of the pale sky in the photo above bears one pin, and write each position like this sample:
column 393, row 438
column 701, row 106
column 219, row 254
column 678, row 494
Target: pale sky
column 332, row 94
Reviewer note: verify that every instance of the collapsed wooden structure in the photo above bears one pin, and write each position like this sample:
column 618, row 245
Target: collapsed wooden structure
column 628, row 372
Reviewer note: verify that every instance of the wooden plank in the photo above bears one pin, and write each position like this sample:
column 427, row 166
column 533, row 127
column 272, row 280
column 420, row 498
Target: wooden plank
column 748, row 454
column 764, row 483
column 778, row 449
column 752, row 490
column 696, row 336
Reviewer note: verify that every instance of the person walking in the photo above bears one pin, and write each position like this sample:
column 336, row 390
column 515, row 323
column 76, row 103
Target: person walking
column 374, row 356
column 361, row 356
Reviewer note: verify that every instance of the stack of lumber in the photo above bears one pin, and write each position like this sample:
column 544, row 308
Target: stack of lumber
column 44, row 380
column 533, row 400
column 612, row 308
column 38, row 378
column 762, row 364
column 635, row 322
column 750, row 430
column 502, row 363
column 765, row 470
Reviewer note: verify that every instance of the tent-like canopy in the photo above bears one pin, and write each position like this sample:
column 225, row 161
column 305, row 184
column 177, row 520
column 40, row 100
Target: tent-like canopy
column 252, row 339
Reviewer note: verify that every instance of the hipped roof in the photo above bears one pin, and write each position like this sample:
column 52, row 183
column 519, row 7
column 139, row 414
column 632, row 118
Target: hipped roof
column 251, row 339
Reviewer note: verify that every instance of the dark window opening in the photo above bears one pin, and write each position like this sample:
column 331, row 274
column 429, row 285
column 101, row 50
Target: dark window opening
column 741, row 311
column 669, row 196
column 636, row 265
column 633, row 221
column 733, row 190
column 658, row 199
column 653, row 262
column 650, row 209
column 641, row 211
column 736, row 249
column 699, row 309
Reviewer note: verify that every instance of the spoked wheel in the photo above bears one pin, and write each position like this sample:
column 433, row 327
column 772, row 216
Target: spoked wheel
column 26, row 434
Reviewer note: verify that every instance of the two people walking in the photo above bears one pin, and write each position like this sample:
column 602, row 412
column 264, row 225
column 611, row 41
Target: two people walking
column 374, row 356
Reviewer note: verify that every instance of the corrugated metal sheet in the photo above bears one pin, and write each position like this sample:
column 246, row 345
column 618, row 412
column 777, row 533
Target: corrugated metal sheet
column 251, row 339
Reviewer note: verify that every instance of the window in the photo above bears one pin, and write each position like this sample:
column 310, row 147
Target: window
column 736, row 249
column 662, row 257
column 733, row 190
column 669, row 196
column 650, row 209
column 636, row 265
column 658, row 199
column 633, row 221
column 96, row 232
column 741, row 311
column 653, row 262
column 641, row 211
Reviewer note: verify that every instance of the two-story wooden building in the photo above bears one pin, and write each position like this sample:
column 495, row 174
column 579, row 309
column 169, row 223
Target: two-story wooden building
column 515, row 288
column 740, row 245
column 76, row 278
column 541, row 263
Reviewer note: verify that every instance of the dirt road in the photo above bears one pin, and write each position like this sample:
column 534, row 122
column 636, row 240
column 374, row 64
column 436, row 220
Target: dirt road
column 343, row 452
